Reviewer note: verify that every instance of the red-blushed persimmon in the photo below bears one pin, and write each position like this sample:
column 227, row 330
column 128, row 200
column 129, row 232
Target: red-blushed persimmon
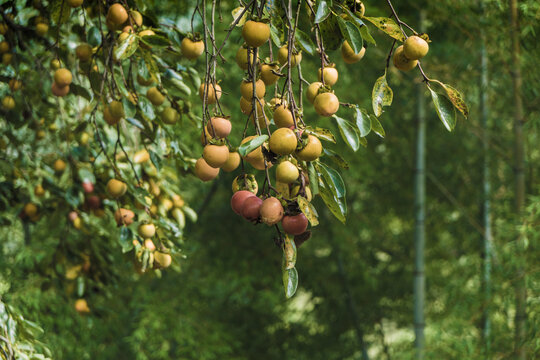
column 59, row 91
column 87, row 186
column 124, row 217
column 271, row 211
column 149, row 245
column 238, row 199
column 251, row 207
column 93, row 202
column 294, row 225
column 219, row 127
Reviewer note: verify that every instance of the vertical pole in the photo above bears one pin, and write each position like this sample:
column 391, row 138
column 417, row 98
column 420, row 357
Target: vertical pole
column 420, row 216
column 486, row 208
column 519, row 179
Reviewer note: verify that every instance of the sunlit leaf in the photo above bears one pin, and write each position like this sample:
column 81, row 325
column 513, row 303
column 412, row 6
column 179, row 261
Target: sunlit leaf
column 322, row 12
column 251, row 145
column 376, row 126
column 445, row 110
column 352, row 34
column 363, row 122
column 349, row 133
column 309, row 210
column 290, row 282
column 388, row 26
column 382, row 95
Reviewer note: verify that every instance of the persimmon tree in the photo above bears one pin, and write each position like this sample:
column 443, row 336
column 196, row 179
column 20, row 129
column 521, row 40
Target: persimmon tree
column 107, row 89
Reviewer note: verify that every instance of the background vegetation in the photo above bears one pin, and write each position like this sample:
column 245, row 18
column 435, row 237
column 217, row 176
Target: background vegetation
column 223, row 298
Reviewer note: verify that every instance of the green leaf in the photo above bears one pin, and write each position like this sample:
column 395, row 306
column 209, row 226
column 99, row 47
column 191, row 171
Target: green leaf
column 366, row 35
column 336, row 205
column 387, row 26
column 147, row 108
column 127, row 47
column 129, row 108
column 135, row 123
column 331, row 34
column 81, row 91
column 309, row 210
column 80, row 286
column 289, row 253
column 125, row 239
column 363, row 122
column 305, row 42
column 156, row 160
column 323, row 134
column 175, row 79
column 352, row 34
column 349, row 133
column 382, row 95
column 313, row 179
column 157, row 41
column 336, row 158
column 251, row 145
column 290, row 282
column 94, row 36
column 445, row 109
column 150, row 64
column 86, row 175
column 323, row 10
column 274, row 34
column 60, row 11
column 332, row 178
column 455, row 97
column 352, row 17
column 376, row 126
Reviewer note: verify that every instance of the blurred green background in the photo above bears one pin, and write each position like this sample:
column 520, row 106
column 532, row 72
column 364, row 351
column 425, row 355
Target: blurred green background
column 355, row 295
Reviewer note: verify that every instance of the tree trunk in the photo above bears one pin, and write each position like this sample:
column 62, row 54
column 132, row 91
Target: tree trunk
column 420, row 215
column 486, row 208
column 519, row 178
